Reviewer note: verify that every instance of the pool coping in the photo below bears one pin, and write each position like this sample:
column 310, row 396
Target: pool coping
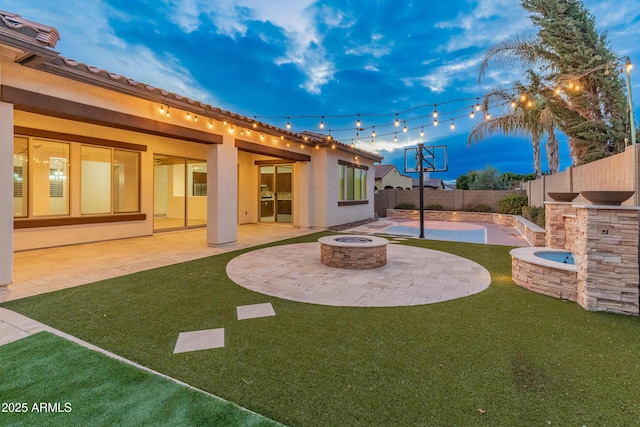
column 529, row 255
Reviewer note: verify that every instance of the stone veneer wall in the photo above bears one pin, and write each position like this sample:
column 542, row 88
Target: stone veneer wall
column 534, row 234
column 556, row 236
column 606, row 249
column 356, row 258
column 537, row 278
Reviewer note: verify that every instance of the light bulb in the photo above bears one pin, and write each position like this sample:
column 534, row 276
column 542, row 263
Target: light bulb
column 188, row 116
column 162, row 109
column 397, row 121
column 395, row 137
column 288, row 123
column 435, row 112
column 513, row 104
column 629, row 66
column 523, row 97
column 453, row 126
column 404, row 129
column 322, row 123
column 168, row 112
column 210, row 123
column 473, row 114
column 435, row 122
column 487, row 116
column 373, row 132
column 422, row 131
column 358, row 122
column 478, row 104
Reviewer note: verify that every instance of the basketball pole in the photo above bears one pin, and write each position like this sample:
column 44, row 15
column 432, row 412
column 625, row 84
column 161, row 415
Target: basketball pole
column 420, row 177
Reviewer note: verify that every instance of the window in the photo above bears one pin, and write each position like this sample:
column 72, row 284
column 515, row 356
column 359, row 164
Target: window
column 50, row 169
column 352, row 182
column 109, row 178
column 20, row 176
column 109, row 186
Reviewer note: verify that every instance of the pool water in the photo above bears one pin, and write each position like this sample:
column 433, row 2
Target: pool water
column 469, row 236
column 562, row 257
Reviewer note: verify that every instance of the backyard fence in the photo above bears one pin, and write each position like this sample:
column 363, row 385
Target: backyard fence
column 455, row 200
column 614, row 173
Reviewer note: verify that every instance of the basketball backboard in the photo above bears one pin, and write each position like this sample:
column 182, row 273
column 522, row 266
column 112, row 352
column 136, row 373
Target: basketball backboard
column 434, row 159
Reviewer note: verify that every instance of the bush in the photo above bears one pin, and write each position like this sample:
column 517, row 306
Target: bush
column 477, row 208
column 435, row 208
column 405, row 206
column 512, row 204
column 534, row 214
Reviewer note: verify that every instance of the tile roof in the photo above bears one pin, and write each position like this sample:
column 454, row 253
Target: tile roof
column 43, row 34
column 382, row 170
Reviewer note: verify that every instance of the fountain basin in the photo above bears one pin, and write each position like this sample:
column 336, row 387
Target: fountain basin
column 544, row 271
column 353, row 251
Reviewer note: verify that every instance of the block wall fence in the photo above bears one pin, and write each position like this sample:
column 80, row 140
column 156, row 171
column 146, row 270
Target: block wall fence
column 613, row 173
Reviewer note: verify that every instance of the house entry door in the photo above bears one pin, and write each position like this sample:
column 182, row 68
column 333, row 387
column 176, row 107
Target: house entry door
column 275, row 193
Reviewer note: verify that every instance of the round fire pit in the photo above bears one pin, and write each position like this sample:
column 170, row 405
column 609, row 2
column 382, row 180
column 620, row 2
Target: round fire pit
column 355, row 252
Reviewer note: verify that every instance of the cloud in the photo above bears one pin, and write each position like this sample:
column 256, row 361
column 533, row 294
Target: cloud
column 299, row 22
column 440, row 79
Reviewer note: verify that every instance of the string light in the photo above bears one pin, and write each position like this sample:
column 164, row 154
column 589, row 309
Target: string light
column 231, row 129
column 404, row 129
column 473, row 114
column 188, row 116
column 435, row 122
column 513, row 104
column 210, row 123
column 453, row 126
column 195, row 118
column 261, row 137
column 322, row 123
column 435, row 111
column 255, row 125
column 162, row 109
column 422, row 131
column 487, row 116
column 288, row 123
column 478, row 104
column 397, row 121
column 242, row 132
column 523, row 97
column 373, row 131
column 224, row 123
column 395, row 136
column 358, row 122
column 168, row 112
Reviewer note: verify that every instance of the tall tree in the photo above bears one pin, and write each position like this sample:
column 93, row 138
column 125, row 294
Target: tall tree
column 569, row 54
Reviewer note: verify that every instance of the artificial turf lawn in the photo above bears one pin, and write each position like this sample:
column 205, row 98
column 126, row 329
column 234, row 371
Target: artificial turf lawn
column 505, row 356
column 49, row 381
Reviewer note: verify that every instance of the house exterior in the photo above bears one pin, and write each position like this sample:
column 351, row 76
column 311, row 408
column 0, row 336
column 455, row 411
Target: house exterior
column 388, row 177
column 89, row 155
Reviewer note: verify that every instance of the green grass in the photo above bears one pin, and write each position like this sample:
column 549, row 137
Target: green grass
column 49, row 381
column 525, row 359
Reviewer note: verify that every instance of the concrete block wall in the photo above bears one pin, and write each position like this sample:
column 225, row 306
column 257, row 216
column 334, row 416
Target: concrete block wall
column 448, row 199
column 613, row 173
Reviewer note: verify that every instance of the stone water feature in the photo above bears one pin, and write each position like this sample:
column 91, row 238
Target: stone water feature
column 603, row 239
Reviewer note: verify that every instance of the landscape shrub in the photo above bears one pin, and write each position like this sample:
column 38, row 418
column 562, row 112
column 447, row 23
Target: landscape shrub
column 435, row 208
column 534, row 214
column 477, row 208
column 512, row 204
column 405, row 206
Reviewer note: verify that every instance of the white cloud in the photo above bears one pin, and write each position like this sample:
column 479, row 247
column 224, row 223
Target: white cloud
column 490, row 22
column 298, row 21
column 440, row 78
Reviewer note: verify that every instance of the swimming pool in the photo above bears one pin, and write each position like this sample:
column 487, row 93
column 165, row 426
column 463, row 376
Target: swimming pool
column 475, row 235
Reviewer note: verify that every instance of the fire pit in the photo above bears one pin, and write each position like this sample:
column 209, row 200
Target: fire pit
column 355, row 252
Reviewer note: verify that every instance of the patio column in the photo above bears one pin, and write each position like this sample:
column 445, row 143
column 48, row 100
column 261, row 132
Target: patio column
column 222, row 192
column 6, row 193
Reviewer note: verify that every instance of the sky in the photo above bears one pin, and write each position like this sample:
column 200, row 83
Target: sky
column 303, row 62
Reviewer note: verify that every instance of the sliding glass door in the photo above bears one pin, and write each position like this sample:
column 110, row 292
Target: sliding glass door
column 275, row 193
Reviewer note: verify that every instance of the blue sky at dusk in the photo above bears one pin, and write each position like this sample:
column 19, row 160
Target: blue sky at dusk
column 276, row 59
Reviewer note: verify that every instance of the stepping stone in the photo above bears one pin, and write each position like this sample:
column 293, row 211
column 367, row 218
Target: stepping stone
column 255, row 310
column 199, row 340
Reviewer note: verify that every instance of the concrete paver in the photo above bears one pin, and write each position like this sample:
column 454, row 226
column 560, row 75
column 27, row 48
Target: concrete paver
column 295, row 272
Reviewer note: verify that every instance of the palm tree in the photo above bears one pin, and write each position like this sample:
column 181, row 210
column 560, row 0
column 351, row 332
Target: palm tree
column 529, row 118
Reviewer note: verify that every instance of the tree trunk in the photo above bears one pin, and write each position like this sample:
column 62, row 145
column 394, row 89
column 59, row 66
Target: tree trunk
column 535, row 143
column 553, row 157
